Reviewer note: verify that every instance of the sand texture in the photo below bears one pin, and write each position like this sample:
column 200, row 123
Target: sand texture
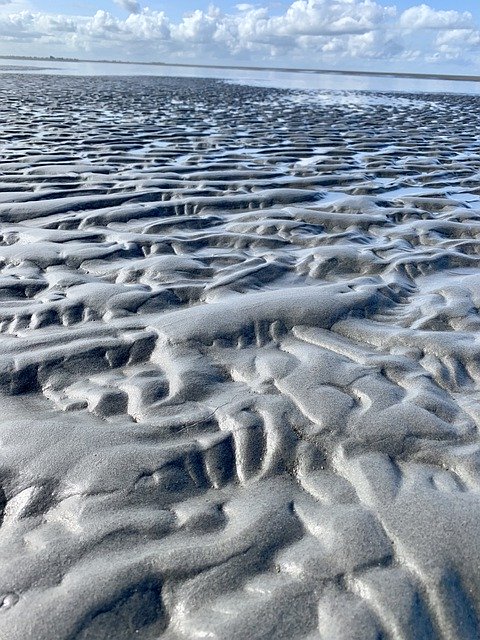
column 240, row 362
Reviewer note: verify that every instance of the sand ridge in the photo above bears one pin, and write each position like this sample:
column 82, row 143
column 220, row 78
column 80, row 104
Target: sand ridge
column 239, row 374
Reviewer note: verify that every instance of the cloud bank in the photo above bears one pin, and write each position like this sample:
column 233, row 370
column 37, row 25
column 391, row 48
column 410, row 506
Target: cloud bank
column 311, row 33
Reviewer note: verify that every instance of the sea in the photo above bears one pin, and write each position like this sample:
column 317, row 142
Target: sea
column 264, row 78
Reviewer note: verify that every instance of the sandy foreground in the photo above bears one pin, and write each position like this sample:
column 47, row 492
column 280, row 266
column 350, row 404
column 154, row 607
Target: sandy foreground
column 240, row 362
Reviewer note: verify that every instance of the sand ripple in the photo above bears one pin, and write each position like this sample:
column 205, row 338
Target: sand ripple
column 240, row 362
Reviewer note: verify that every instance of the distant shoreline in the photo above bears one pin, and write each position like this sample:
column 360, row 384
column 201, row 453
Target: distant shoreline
column 338, row 72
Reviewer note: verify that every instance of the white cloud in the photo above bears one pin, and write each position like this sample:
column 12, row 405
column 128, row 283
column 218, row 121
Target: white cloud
column 199, row 27
column 455, row 44
column 459, row 38
column 307, row 33
column 317, row 17
column 149, row 26
column 424, row 17
column 14, row 6
column 132, row 6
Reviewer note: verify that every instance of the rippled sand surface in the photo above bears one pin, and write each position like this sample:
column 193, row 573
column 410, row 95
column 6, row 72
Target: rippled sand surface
column 240, row 362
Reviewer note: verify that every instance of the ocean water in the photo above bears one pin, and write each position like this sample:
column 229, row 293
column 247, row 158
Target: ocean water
column 278, row 79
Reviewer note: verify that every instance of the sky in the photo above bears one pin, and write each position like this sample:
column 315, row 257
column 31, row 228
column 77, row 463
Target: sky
column 442, row 36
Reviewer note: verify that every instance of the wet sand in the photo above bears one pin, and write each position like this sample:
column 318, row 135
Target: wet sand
column 240, row 362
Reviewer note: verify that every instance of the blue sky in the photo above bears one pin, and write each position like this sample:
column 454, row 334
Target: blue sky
column 178, row 8
column 439, row 36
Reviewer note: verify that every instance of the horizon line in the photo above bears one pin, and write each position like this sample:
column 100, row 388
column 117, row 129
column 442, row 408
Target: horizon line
column 349, row 72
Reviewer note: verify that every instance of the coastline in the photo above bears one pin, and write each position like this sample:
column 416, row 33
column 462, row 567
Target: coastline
column 338, row 72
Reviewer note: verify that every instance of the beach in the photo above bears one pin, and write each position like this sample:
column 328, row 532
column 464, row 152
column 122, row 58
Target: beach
column 240, row 368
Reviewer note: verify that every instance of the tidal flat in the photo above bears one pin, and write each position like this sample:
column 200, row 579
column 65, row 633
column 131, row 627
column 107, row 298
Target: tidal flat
column 240, row 370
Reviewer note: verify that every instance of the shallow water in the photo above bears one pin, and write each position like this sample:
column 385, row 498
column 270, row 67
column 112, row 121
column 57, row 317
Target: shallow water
column 274, row 79
column 240, row 361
